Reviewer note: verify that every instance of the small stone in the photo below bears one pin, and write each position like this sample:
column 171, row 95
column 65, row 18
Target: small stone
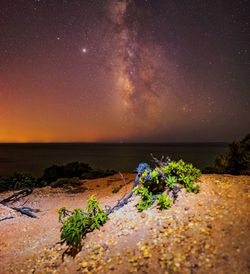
column 225, row 257
column 84, row 264
column 165, row 225
column 207, row 246
column 111, row 268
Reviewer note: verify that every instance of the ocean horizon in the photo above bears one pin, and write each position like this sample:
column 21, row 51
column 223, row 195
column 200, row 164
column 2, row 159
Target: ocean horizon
column 124, row 157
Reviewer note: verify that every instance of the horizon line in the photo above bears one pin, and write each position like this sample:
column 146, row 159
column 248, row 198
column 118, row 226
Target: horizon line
column 119, row 143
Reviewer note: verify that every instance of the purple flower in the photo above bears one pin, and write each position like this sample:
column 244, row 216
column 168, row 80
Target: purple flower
column 147, row 177
column 162, row 175
column 175, row 191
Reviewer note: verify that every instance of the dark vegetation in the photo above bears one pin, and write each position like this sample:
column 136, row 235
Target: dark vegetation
column 66, row 183
column 17, row 181
column 65, row 176
column 235, row 161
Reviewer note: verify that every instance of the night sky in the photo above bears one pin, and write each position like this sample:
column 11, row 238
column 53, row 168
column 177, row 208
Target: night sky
column 124, row 71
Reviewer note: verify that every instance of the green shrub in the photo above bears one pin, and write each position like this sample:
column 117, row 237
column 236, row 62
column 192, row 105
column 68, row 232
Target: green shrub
column 171, row 181
column 98, row 216
column 163, row 201
column 160, row 178
column 77, row 224
column 73, row 228
column 62, row 212
column 187, row 182
column 152, row 180
column 170, row 175
column 146, row 198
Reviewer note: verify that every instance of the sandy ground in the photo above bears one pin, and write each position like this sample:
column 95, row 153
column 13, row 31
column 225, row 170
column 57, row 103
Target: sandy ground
column 201, row 233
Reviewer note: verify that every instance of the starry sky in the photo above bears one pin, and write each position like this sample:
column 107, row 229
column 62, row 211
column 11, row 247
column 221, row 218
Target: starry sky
column 124, row 70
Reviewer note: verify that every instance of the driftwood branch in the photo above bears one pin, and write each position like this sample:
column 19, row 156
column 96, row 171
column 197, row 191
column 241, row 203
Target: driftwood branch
column 25, row 210
column 164, row 160
column 125, row 199
column 28, row 211
column 16, row 196
column 122, row 177
column 6, row 218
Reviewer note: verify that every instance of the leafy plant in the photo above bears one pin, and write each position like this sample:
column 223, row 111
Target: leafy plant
column 78, row 223
column 62, row 214
column 171, row 181
column 146, row 198
column 167, row 175
column 73, row 228
column 98, row 216
column 153, row 180
column 188, row 184
column 183, row 173
column 163, row 201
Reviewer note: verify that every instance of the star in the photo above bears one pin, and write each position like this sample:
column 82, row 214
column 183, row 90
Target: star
column 84, row 50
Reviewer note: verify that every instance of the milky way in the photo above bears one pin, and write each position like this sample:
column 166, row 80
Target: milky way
column 143, row 76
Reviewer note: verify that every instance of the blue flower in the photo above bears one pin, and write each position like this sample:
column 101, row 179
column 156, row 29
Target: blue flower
column 141, row 167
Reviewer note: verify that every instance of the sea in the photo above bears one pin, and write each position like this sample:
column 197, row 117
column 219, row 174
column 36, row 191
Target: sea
column 124, row 157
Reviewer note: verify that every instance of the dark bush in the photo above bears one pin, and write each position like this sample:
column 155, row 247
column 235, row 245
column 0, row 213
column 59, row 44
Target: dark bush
column 235, row 161
column 76, row 169
column 3, row 185
column 97, row 173
column 68, row 175
column 17, row 181
column 70, row 170
column 66, row 182
column 51, row 174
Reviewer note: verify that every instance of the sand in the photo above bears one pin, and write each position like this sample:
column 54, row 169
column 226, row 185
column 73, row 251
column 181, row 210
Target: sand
column 201, row 233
